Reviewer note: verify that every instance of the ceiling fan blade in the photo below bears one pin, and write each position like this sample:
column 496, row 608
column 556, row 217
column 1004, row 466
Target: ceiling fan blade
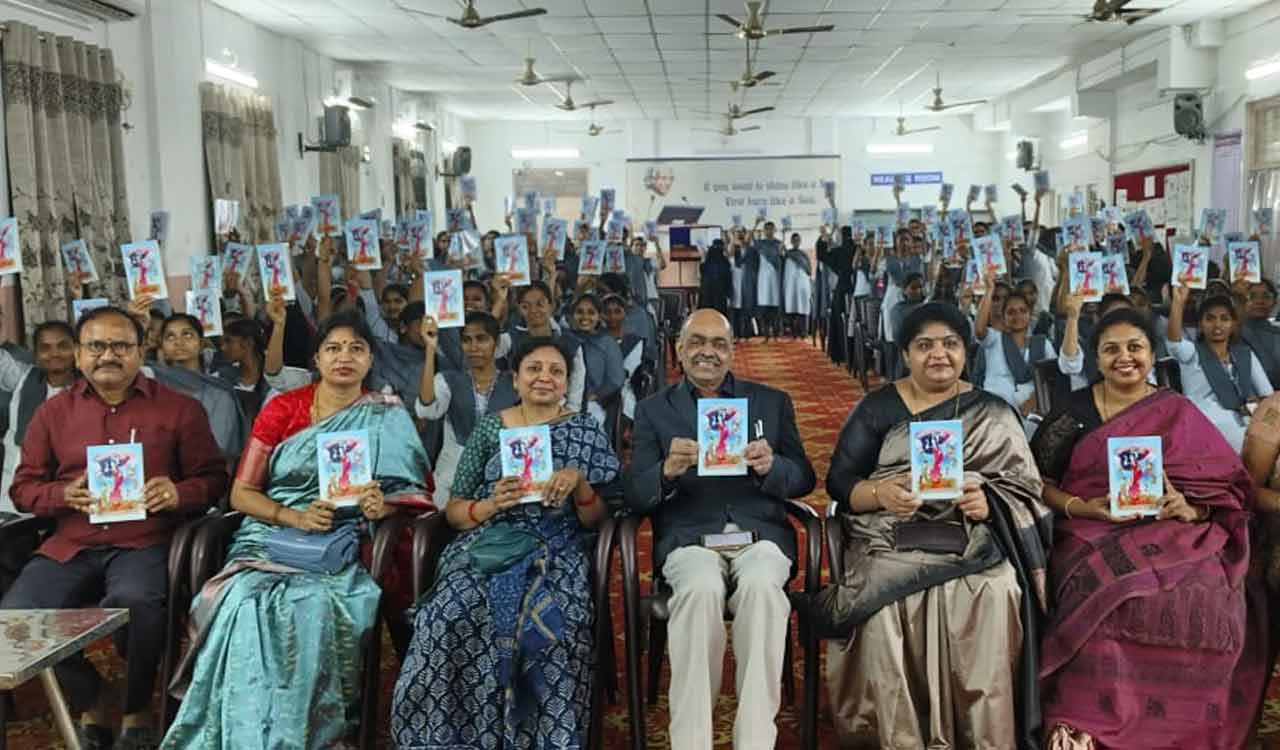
column 1115, row 6
column 748, row 128
column 755, row 111
column 964, row 104
column 729, row 20
column 1137, row 14
column 528, row 13
column 800, row 30
column 417, row 12
column 763, row 75
column 913, row 131
column 559, row 78
column 706, row 130
column 596, row 103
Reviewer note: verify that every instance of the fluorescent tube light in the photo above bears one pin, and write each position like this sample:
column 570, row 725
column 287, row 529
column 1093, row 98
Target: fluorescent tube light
column 1262, row 70
column 228, row 73
column 899, row 148
column 405, row 130
column 1075, row 140
column 448, row 145
column 546, row 152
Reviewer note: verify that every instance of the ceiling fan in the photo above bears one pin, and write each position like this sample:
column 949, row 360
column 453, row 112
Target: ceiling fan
column 1103, row 11
column 530, row 77
column 904, row 130
column 736, row 112
column 568, row 105
column 753, row 27
column 938, row 106
column 728, row 129
column 749, row 79
column 471, row 18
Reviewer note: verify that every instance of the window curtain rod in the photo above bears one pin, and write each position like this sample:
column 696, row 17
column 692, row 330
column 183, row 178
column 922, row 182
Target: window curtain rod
column 42, row 37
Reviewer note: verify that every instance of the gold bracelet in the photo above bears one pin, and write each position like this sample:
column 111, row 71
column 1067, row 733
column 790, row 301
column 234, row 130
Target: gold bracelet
column 1067, row 508
column 875, row 493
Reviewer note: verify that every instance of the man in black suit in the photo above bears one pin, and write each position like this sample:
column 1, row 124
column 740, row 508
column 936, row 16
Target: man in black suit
column 713, row 535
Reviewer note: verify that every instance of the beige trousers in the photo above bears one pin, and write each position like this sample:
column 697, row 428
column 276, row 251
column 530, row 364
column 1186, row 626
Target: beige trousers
column 700, row 579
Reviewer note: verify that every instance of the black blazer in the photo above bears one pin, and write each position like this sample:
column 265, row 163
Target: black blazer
column 703, row 505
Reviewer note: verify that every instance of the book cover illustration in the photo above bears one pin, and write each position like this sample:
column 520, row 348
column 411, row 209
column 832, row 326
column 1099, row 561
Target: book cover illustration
column 829, row 190
column 1075, row 204
column 226, row 216
column 762, row 213
column 81, row 306
column 276, row 273
column 581, row 230
column 1245, row 260
column 650, row 230
column 206, row 272
column 990, row 253
column 1138, row 226
column 1190, row 266
column 143, row 270
column 554, row 234
column 829, row 217
column 418, row 238
column 328, row 215
column 301, row 228
column 974, row 192
column 903, row 214
column 859, row 227
column 235, row 258
column 526, row 454
column 960, row 224
column 1115, row 275
column 937, row 460
column 345, row 466
column 1085, row 272
column 786, row 222
column 362, row 245
column 548, row 206
column 116, row 482
column 1264, row 221
column 1011, row 227
column 972, row 281
column 948, row 246
column 1213, row 221
column 1113, row 215
column 1098, row 225
column 206, row 306
column 529, row 200
column 614, row 230
column 1042, row 182
column 511, row 252
column 945, row 192
column 527, row 220
column 590, row 205
column 282, row 231
column 1136, row 474
column 608, row 200
column 1077, row 232
column 722, row 437
column 78, row 262
column 472, row 249
column 591, row 258
column 884, row 235
column 615, row 259
column 467, row 185
column 989, row 193
column 159, row 226
column 1117, row 244
column 10, row 247
column 443, row 297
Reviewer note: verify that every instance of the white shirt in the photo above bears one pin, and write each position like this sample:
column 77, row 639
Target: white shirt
column 1195, row 386
column 999, row 379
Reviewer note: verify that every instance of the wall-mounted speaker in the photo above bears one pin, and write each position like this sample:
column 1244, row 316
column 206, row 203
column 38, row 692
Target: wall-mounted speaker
column 460, row 163
column 1026, row 155
column 336, row 130
column 1188, row 116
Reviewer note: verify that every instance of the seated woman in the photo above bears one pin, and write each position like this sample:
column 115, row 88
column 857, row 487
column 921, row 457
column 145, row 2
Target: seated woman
column 1219, row 374
column 1260, row 331
column 502, row 651
column 181, row 351
column 937, row 599
column 276, row 660
column 601, row 356
column 631, row 345
column 462, row 399
column 1156, row 638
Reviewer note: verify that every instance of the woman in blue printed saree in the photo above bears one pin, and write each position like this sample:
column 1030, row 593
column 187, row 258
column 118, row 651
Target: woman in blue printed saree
column 502, row 654
column 276, row 651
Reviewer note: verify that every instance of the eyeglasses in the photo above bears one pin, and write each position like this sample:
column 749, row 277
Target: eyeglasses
column 118, row 348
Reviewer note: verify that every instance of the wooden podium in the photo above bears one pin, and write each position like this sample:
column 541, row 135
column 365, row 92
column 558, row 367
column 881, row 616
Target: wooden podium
column 685, row 260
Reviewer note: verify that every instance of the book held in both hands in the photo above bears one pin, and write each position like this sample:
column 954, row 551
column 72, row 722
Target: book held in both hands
column 143, row 270
column 937, row 460
column 526, row 454
column 1190, row 266
column 1245, row 261
column 722, row 437
column 116, row 482
column 1136, row 474
column 443, row 297
column 344, row 466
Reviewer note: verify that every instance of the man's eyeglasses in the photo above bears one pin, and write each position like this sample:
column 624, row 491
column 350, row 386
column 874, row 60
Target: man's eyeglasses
column 118, row 348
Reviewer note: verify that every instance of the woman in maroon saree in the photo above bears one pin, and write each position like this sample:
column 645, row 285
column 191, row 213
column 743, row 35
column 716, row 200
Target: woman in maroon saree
column 1157, row 635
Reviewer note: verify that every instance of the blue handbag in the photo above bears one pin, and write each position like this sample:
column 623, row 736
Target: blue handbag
column 328, row 552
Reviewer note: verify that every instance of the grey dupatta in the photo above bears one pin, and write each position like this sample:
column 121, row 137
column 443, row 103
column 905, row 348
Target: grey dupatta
column 1019, row 367
column 462, row 414
column 1231, row 389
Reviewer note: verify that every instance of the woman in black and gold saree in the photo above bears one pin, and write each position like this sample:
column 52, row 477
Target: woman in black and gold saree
column 940, row 601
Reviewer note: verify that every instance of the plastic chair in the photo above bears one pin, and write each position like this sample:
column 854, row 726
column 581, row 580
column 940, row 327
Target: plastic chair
column 655, row 608
column 432, row 533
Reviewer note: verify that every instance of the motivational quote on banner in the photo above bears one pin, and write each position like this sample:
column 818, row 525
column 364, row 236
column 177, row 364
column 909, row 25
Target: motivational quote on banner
column 724, row 187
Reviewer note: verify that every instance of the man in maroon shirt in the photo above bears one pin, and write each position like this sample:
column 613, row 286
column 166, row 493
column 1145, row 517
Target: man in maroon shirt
column 117, row 564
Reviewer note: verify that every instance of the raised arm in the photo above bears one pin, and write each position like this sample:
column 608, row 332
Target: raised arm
column 324, row 278
column 983, row 321
column 1144, row 263
column 1176, row 309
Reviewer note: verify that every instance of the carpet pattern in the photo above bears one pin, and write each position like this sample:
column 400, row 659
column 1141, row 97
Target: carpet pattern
column 823, row 395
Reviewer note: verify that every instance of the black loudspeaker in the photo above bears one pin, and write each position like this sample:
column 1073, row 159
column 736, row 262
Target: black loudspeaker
column 1188, row 116
column 1026, row 155
column 337, row 127
column 461, row 163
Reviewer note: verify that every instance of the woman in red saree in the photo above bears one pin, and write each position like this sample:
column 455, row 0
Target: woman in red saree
column 1157, row 638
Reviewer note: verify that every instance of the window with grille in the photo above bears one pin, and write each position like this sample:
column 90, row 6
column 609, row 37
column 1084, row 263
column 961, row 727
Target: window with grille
column 1264, row 133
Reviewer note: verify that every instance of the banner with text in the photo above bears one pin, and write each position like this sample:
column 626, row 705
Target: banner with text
column 784, row 186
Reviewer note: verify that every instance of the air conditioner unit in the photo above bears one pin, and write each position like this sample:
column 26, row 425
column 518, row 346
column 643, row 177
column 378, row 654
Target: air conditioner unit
column 104, row 10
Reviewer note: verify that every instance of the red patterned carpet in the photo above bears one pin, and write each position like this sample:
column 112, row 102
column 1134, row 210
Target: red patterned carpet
column 823, row 396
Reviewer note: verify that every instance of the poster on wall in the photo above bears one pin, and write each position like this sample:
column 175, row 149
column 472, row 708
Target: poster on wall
column 725, row 187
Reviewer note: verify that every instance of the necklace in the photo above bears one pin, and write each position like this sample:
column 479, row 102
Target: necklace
column 1106, row 406
column 916, row 397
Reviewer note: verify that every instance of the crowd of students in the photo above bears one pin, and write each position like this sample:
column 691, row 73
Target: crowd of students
column 1023, row 613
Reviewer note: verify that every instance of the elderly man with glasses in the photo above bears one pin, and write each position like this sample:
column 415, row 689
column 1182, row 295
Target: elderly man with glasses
column 117, row 564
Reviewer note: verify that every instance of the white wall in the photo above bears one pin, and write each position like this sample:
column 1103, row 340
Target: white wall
column 964, row 156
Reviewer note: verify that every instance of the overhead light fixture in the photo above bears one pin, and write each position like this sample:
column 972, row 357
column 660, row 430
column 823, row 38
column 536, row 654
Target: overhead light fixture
column 1054, row 105
column 548, row 152
column 228, row 73
column 1262, row 70
column 1075, row 140
column 352, row 102
column 405, row 130
column 879, row 149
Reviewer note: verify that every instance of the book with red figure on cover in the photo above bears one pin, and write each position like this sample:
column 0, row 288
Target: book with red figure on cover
column 443, row 297
column 116, row 482
column 526, row 454
column 275, row 270
column 206, row 306
column 345, row 466
column 143, row 269
column 1136, row 472
column 511, row 253
column 1190, row 266
column 937, row 460
column 363, row 251
column 1085, row 272
column 722, row 437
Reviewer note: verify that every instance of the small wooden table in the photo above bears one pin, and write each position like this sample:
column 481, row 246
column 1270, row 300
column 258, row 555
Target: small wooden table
column 34, row 641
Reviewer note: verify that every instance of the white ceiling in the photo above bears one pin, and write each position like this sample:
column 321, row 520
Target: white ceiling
column 657, row 59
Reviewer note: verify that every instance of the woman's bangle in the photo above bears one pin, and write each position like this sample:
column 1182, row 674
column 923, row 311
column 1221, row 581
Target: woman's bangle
column 875, row 493
column 1067, row 508
column 471, row 512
